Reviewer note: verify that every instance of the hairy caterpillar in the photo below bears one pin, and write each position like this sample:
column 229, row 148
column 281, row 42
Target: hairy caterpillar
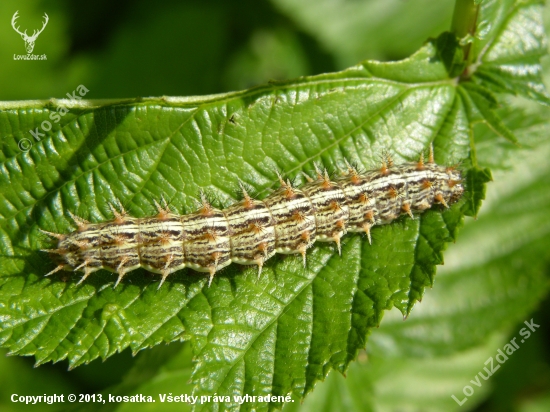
column 251, row 231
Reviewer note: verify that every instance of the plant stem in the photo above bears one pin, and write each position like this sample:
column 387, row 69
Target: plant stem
column 464, row 23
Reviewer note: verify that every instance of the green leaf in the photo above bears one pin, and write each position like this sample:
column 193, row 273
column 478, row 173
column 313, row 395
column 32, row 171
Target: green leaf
column 276, row 335
column 509, row 47
column 475, row 179
column 481, row 104
column 428, row 358
column 140, row 151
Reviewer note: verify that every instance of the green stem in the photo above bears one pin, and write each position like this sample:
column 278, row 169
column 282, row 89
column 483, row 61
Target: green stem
column 464, row 23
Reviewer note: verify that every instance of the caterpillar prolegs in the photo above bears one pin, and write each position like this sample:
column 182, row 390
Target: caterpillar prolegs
column 251, row 231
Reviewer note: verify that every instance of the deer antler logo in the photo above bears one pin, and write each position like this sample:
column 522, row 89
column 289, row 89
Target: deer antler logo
column 29, row 40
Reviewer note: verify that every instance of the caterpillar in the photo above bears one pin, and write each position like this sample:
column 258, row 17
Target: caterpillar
column 249, row 232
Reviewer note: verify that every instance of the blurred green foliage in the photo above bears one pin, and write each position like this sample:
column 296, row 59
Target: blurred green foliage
column 146, row 48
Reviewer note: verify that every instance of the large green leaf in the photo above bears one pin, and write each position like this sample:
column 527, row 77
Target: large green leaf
column 421, row 362
column 172, row 149
column 276, row 335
